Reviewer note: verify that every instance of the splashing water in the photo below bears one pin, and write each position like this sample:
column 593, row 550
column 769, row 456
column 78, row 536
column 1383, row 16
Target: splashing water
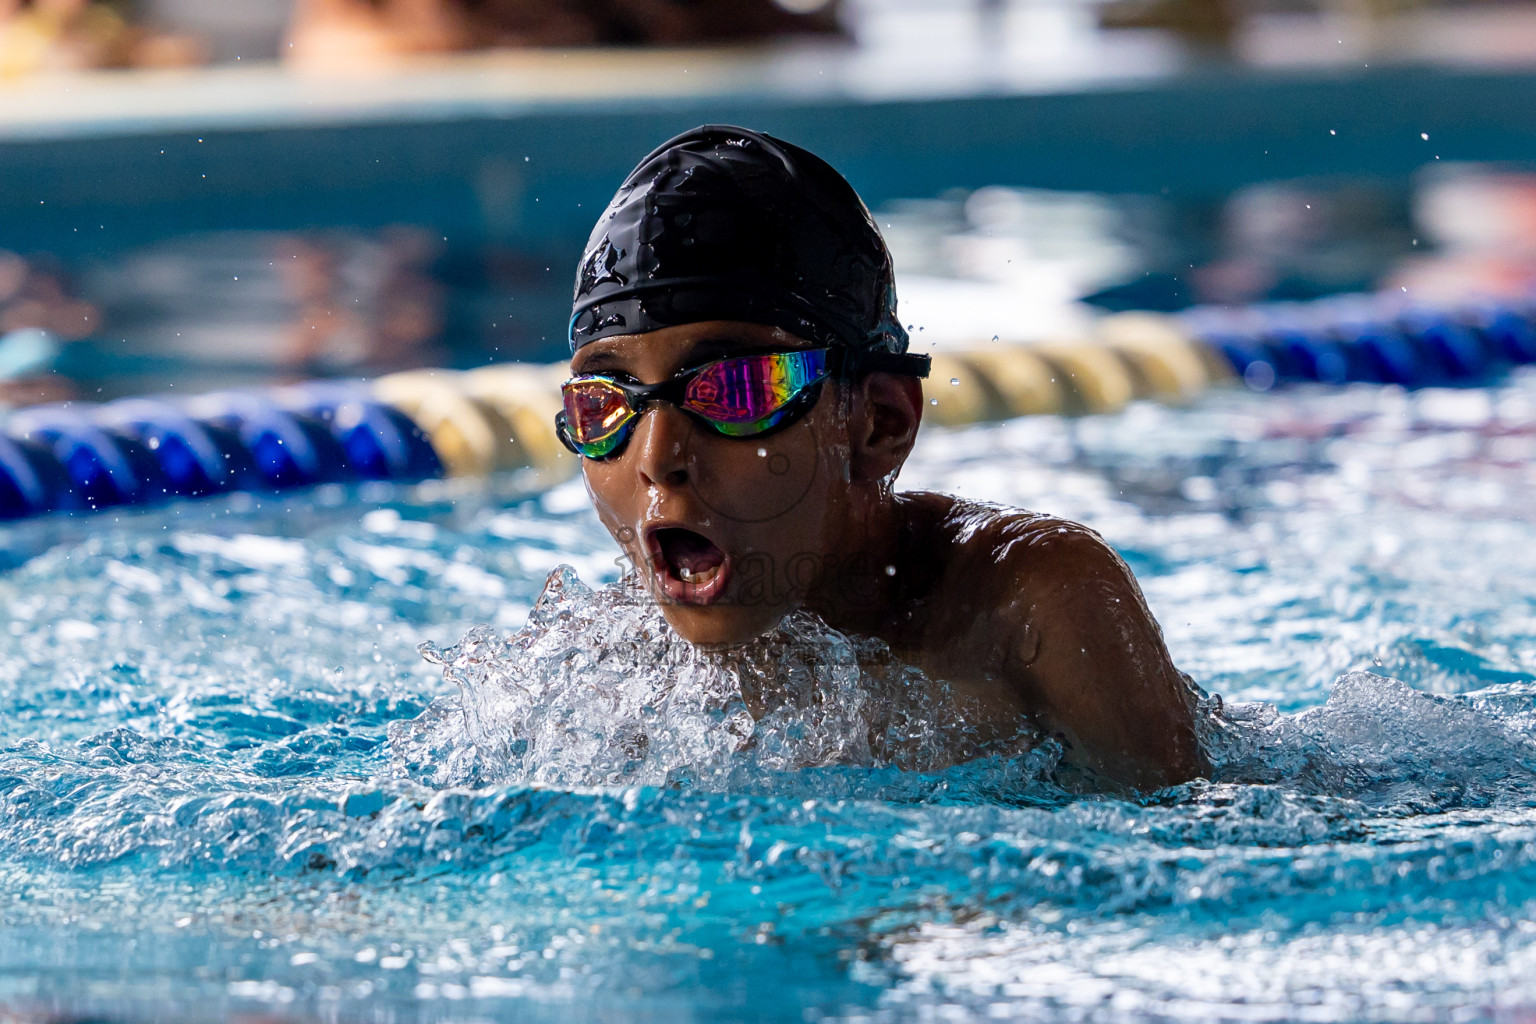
column 230, row 787
column 598, row 690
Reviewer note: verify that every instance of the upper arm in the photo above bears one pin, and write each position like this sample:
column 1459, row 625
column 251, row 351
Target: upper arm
column 1090, row 659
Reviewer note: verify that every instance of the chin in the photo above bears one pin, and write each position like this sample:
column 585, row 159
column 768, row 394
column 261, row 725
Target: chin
column 720, row 625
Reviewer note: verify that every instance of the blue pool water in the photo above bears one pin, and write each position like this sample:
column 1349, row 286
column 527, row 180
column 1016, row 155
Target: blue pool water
column 230, row 787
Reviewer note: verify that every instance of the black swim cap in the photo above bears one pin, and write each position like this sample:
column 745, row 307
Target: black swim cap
column 725, row 223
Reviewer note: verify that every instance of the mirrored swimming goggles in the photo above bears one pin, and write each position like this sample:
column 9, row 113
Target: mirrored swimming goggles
column 744, row 396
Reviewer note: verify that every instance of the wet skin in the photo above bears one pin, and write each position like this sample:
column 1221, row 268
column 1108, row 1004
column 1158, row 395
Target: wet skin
column 1026, row 614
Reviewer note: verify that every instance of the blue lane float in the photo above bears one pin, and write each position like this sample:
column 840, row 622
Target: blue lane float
column 376, row 441
column 21, row 488
column 141, row 451
column 425, row 424
column 190, row 459
column 84, row 467
column 1367, row 339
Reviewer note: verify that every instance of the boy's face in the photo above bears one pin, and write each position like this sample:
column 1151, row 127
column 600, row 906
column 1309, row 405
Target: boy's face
column 728, row 533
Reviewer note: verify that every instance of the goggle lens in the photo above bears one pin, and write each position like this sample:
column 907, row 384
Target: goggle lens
column 596, row 412
column 746, row 396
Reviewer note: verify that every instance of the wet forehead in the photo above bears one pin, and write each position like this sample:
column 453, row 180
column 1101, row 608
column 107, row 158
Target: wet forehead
column 656, row 355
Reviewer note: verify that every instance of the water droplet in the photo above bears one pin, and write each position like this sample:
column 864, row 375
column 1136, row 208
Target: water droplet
column 1259, row 375
column 954, row 380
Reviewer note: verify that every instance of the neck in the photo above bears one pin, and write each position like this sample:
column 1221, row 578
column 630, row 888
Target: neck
column 862, row 592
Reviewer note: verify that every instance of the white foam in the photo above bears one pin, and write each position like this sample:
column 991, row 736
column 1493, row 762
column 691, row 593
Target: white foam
column 598, row 690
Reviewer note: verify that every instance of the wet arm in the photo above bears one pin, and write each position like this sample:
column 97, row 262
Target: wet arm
column 1090, row 659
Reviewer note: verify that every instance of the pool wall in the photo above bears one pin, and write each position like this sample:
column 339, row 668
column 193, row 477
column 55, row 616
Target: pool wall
column 516, row 153
column 523, row 150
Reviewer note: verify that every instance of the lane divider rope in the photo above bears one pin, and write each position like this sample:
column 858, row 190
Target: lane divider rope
column 423, row 424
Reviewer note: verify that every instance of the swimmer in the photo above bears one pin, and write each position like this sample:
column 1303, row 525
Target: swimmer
column 742, row 400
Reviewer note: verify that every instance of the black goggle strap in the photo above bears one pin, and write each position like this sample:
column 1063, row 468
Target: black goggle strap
column 850, row 363
column 563, row 432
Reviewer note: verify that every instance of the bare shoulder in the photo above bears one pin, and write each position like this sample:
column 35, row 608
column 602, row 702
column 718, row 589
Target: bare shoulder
column 1066, row 569
column 1047, row 608
column 1014, row 552
column 995, row 576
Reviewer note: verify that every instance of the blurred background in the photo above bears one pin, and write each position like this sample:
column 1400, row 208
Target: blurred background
column 206, row 193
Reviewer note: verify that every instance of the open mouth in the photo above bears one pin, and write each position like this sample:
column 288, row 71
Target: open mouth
column 689, row 566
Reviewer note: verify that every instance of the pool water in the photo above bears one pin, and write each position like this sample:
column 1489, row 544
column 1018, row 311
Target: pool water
column 231, row 787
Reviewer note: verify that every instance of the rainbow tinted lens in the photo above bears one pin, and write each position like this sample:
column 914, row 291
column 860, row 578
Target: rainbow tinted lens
column 597, row 415
column 739, row 397
column 752, row 394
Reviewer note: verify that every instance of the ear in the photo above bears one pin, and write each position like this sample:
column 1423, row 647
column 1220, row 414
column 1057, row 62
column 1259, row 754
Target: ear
column 887, row 409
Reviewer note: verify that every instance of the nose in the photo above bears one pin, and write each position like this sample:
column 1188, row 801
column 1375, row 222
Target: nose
column 660, row 442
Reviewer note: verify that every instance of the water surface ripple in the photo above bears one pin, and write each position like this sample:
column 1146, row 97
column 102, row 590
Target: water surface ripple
column 230, row 787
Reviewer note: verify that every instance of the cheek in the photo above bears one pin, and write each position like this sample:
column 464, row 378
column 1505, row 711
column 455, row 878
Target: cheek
column 612, row 500
column 750, row 482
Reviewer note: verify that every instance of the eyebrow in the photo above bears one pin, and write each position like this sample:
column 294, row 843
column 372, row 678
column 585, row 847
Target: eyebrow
column 705, row 350
column 596, row 362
